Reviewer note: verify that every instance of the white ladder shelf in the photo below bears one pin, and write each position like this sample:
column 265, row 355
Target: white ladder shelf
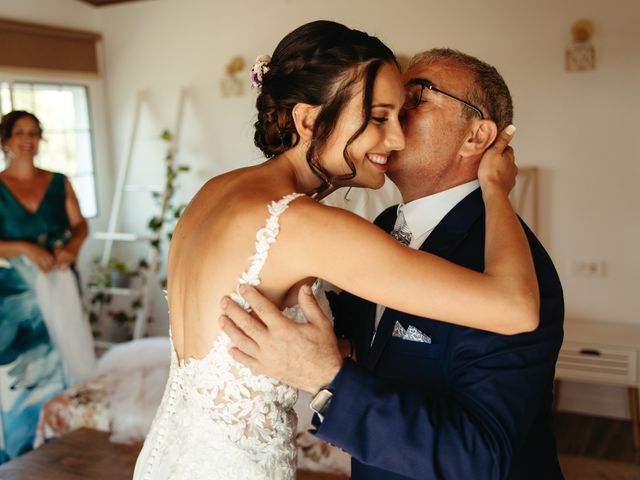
column 114, row 235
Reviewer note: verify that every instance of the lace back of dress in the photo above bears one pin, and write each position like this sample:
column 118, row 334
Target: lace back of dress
column 226, row 402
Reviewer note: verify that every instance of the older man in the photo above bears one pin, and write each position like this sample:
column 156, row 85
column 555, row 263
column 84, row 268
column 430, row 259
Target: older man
column 427, row 399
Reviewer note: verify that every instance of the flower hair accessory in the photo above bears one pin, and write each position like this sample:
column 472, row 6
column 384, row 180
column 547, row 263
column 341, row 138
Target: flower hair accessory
column 259, row 69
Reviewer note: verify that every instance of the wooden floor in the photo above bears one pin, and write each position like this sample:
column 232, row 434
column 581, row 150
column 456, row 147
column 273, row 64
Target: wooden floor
column 589, row 447
column 595, row 437
column 87, row 454
column 81, row 455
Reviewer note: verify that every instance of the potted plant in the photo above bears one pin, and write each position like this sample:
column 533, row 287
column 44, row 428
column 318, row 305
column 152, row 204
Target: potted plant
column 119, row 274
column 114, row 274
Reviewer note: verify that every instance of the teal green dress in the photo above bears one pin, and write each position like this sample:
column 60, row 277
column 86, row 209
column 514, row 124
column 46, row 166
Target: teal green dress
column 30, row 367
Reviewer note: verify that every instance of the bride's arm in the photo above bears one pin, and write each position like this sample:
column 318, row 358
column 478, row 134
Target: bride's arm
column 357, row 256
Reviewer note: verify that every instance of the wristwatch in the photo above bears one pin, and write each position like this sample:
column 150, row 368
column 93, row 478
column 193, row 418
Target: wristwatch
column 320, row 402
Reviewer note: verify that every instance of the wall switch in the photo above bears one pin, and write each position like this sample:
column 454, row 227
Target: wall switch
column 588, row 268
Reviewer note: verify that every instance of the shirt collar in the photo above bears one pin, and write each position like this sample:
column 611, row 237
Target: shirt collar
column 423, row 214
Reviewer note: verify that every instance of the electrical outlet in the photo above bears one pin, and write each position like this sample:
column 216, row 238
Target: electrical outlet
column 588, row 268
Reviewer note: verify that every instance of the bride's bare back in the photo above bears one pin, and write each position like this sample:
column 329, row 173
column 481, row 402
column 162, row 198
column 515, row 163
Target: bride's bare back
column 210, row 249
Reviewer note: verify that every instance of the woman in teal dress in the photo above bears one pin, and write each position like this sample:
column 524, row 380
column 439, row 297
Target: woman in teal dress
column 41, row 228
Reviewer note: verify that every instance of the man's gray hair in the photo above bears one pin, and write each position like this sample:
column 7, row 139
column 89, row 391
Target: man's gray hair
column 489, row 91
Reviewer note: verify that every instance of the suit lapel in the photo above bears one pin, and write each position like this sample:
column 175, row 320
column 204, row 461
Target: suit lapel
column 454, row 227
column 443, row 241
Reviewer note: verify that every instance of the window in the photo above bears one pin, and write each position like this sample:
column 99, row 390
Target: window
column 66, row 147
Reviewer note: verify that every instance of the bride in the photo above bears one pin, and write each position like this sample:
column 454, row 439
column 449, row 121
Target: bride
column 329, row 115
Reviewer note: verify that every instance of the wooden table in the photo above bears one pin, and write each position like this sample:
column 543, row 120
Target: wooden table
column 87, row 454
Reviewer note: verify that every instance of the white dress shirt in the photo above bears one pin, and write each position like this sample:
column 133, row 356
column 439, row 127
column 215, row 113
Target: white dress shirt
column 424, row 214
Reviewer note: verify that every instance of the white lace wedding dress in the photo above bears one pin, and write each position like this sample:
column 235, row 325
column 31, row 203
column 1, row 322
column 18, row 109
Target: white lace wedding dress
column 219, row 421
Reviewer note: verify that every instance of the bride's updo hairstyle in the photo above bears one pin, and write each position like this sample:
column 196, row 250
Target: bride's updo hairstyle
column 318, row 64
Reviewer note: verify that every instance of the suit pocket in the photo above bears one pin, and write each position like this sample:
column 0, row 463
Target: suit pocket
column 418, row 349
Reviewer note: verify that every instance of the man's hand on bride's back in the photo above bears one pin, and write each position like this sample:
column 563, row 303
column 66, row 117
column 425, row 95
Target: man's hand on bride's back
column 303, row 355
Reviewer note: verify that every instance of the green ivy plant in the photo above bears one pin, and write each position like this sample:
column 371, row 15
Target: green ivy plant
column 165, row 200
column 169, row 213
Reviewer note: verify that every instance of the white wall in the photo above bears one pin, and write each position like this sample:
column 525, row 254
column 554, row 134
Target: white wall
column 580, row 128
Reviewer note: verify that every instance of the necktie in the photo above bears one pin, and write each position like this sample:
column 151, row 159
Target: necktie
column 401, row 230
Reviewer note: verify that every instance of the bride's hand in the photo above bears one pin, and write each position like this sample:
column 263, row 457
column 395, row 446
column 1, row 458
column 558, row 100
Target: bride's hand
column 497, row 167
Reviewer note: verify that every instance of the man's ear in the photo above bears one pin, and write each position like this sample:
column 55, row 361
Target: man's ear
column 304, row 118
column 481, row 137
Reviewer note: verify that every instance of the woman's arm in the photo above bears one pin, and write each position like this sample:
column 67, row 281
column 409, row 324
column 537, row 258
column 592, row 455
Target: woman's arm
column 357, row 256
column 11, row 248
column 68, row 254
column 38, row 255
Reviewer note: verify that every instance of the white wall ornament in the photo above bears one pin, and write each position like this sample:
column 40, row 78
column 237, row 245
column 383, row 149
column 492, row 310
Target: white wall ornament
column 580, row 54
column 231, row 85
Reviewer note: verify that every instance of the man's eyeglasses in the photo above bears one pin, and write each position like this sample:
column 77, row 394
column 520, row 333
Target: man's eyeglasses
column 416, row 87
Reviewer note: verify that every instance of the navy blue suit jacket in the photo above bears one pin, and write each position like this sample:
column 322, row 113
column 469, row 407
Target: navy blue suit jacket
column 470, row 405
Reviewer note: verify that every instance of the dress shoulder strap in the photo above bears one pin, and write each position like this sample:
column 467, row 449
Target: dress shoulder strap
column 265, row 237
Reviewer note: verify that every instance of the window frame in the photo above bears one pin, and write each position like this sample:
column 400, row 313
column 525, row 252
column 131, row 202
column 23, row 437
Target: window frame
column 90, row 83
